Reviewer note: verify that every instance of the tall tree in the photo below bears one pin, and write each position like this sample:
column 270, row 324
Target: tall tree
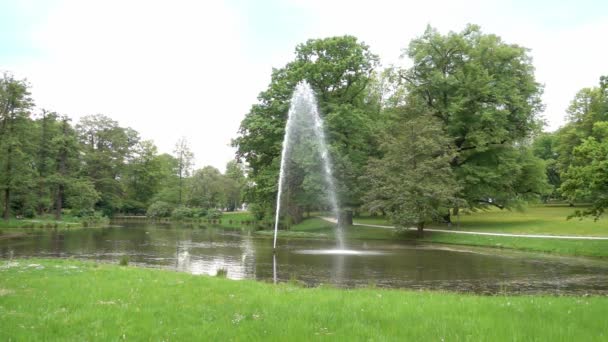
column 48, row 127
column 15, row 103
column 207, row 189
column 235, row 183
column 67, row 166
column 339, row 70
column 413, row 182
column 583, row 147
column 143, row 177
column 484, row 92
column 544, row 147
column 107, row 147
column 184, row 157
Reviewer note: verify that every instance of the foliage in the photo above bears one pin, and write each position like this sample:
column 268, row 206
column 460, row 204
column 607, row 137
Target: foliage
column 339, row 69
column 214, row 214
column 16, row 151
column 184, row 157
column 413, row 183
column 124, row 260
column 583, row 148
column 484, row 92
column 107, row 147
column 545, row 147
column 159, row 209
column 81, row 195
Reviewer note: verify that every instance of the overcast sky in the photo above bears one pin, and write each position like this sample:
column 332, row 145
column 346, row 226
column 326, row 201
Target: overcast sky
column 193, row 68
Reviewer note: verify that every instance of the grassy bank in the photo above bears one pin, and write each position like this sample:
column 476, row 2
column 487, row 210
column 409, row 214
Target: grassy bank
column 19, row 227
column 590, row 248
column 318, row 228
column 537, row 219
column 38, row 301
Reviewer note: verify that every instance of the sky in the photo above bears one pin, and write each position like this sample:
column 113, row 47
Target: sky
column 186, row 68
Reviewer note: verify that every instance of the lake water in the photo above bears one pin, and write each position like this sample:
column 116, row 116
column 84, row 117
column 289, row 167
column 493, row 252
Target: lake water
column 382, row 263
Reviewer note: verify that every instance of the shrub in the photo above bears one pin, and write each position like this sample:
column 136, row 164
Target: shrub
column 199, row 212
column 181, row 213
column 124, row 260
column 214, row 214
column 29, row 213
column 159, row 209
column 258, row 211
column 221, row 273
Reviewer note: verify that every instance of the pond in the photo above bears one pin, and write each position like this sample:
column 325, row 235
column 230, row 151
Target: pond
column 204, row 250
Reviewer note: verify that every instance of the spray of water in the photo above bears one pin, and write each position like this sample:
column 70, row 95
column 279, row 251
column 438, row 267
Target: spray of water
column 304, row 109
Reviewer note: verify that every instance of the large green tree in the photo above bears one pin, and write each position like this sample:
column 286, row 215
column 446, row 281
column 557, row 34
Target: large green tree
column 107, row 147
column 16, row 157
column 484, row 93
column 413, row 182
column 339, row 69
column 185, row 158
column 142, row 177
column 234, row 184
column 583, row 147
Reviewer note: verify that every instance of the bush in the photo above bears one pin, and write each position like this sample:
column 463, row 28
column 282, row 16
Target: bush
column 199, row 212
column 159, row 209
column 124, row 260
column 214, row 214
column 181, row 213
column 221, row 273
column 258, row 211
column 29, row 213
column 86, row 213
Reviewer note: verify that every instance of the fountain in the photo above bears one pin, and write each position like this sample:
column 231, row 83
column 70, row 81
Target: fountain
column 303, row 111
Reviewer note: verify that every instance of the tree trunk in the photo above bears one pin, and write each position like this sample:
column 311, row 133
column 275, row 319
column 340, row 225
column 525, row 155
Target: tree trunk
column 59, row 202
column 420, row 230
column 7, row 190
column 42, row 165
column 447, row 218
column 7, row 206
column 345, row 218
column 295, row 213
column 62, row 168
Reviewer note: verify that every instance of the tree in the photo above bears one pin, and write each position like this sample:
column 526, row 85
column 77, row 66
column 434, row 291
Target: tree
column 583, row 147
column 413, row 183
column 169, row 180
column 107, row 147
column 234, row 185
column 206, row 189
column 485, row 94
column 184, row 157
column 339, row 70
column 15, row 162
column 143, row 176
column 66, row 151
column 544, row 147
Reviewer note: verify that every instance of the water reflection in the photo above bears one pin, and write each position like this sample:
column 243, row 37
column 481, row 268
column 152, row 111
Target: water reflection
column 203, row 250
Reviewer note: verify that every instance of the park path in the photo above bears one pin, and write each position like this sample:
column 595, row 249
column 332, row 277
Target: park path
column 537, row 236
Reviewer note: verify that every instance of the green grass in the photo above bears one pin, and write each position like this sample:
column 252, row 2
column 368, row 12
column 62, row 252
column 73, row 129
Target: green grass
column 19, row 227
column 38, row 301
column 319, row 228
column 235, row 219
column 537, row 219
column 590, row 248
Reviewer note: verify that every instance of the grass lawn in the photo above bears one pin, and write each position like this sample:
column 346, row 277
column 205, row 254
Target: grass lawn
column 38, row 301
column 537, row 219
column 319, row 228
column 236, row 219
column 590, row 248
column 17, row 227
